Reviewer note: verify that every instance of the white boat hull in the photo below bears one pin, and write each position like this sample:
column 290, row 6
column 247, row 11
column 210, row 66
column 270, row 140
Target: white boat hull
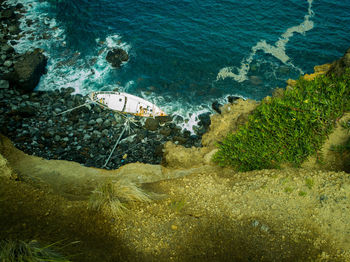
column 126, row 103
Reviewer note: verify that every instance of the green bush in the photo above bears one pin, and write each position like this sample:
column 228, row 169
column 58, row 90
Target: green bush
column 290, row 128
column 32, row 251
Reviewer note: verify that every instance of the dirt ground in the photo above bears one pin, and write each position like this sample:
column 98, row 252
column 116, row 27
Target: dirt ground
column 269, row 215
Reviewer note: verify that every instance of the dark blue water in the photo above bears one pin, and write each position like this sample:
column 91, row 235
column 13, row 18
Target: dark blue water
column 186, row 54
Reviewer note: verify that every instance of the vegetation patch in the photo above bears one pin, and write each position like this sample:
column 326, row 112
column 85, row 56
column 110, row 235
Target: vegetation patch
column 290, row 128
column 113, row 196
column 342, row 149
column 21, row 251
column 309, row 183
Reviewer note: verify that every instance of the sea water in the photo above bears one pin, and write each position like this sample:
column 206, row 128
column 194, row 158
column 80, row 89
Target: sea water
column 185, row 54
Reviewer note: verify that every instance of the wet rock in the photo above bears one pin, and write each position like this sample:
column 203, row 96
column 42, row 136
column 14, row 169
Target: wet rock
column 204, row 120
column 99, row 121
column 97, row 133
column 8, row 63
column 14, row 29
column 166, row 131
column 19, row 6
column 28, row 70
column 164, row 119
column 7, row 49
column 179, row 139
column 232, row 99
column 152, row 124
column 8, row 14
column 107, row 123
column 116, row 56
column 29, row 22
column 25, row 111
column 216, row 107
column 4, row 84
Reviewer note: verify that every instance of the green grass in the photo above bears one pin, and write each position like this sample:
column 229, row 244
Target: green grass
column 21, row 251
column 287, row 129
column 309, row 183
column 113, row 196
column 288, row 190
column 177, row 206
column 302, row 193
column 346, row 146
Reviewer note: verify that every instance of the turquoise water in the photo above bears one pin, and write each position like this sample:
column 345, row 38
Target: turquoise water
column 186, row 54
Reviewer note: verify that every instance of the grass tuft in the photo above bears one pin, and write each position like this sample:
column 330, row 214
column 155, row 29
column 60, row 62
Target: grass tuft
column 288, row 129
column 112, row 196
column 21, row 251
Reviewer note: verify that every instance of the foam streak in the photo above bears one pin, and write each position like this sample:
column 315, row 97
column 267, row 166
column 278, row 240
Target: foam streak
column 278, row 50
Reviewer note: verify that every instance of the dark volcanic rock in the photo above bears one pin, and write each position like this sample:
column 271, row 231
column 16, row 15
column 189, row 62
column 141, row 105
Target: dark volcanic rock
column 232, row 99
column 152, row 124
column 4, row 84
column 216, row 106
column 164, row 119
column 28, row 70
column 204, row 120
column 25, row 111
column 338, row 67
column 116, row 56
column 8, row 14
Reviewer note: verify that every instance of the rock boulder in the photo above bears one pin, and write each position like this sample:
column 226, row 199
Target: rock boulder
column 27, row 70
column 116, row 56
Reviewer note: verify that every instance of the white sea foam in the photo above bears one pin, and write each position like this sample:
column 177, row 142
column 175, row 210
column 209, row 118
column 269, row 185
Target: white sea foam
column 66, row 68
column 42, row 29
column 187, row 111
column 278, row 50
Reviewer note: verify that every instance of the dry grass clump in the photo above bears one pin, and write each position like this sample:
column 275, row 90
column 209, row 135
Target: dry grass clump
column 112, row 196
column 21, row 251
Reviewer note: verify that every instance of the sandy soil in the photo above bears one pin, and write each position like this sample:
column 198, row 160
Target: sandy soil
column 269, row 215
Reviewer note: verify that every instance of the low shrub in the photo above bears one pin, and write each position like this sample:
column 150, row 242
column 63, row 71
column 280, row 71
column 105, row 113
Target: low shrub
column 290, row 128
column 32, row 251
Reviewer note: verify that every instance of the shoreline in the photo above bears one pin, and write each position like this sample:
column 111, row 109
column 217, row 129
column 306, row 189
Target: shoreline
column 86, row 136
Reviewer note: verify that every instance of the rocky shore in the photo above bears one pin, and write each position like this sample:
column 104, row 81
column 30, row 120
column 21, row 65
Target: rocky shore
column 86, row 135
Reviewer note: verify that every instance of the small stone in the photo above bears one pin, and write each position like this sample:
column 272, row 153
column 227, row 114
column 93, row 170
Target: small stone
column 66, row 139
column 97, row 133
column 173, row 227
column 8, row 63
column 57, row 138
column 58, row 110
column 107, row 123
column 92, row 122
column 4, row 84
column 152, row 124
column 14, row 30
column 99, row 121
column 105, row 132
column 87, row 137
column 37, row 105
column 7, row 49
